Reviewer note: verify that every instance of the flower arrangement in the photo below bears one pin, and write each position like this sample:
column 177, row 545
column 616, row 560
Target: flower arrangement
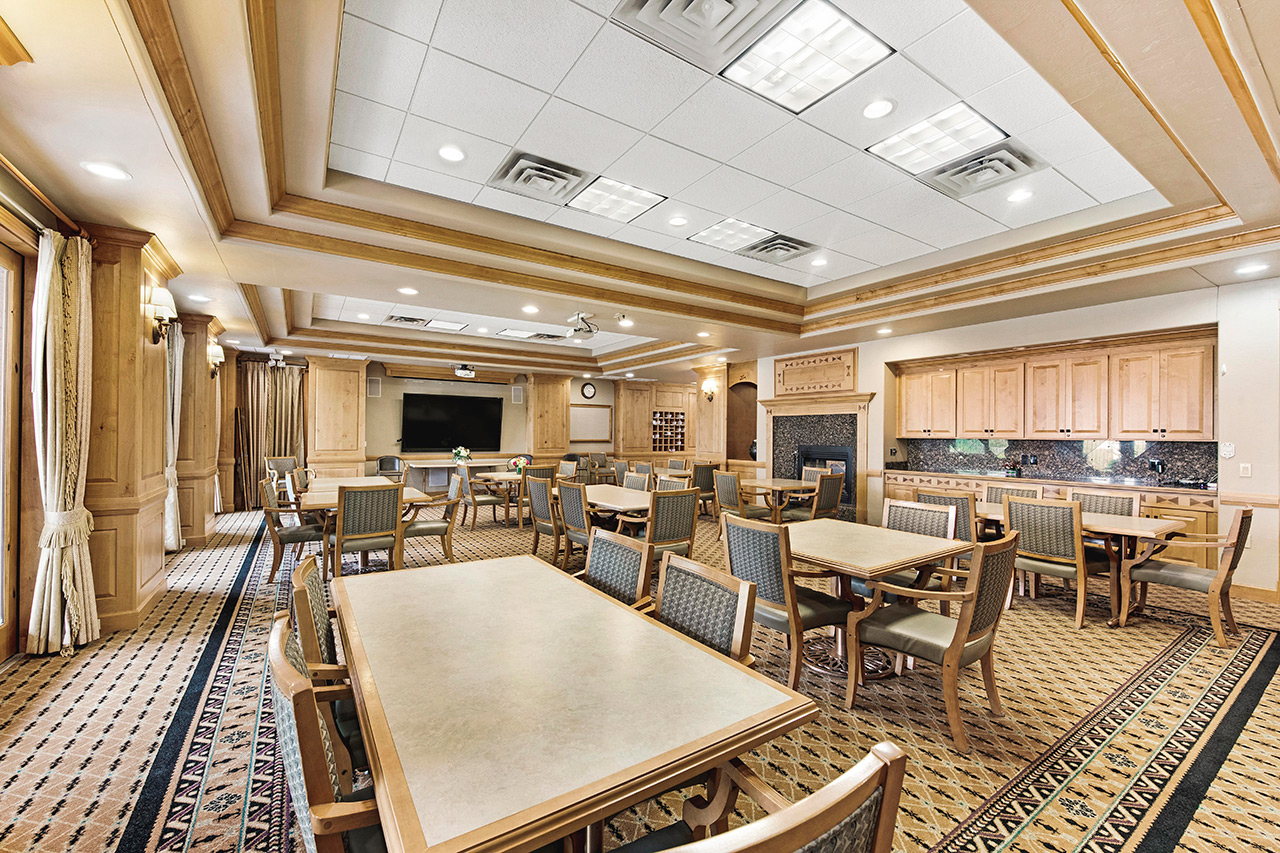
column 518, row 463
column 461, row 454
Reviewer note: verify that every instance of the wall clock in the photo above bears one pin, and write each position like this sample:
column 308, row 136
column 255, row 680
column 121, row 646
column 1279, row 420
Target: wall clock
column 588, row 390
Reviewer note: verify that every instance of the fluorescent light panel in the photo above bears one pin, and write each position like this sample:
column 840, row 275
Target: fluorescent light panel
column 810, row 53
column 947, row 136
column 446, row 325
column 731, row 235
column 516, row 333
column 613, row 200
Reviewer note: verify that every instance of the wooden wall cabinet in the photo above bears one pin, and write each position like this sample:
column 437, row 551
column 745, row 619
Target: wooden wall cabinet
column 548, row 414
column 927, row 404
column 989, row 401
column 1067, row 398
column 1163, row 394
column 335, row 416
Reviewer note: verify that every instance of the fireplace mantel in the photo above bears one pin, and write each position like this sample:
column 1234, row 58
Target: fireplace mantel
column 834, row 403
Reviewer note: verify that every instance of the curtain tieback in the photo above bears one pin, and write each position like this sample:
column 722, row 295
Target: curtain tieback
column 66, row 528
column 171, row 477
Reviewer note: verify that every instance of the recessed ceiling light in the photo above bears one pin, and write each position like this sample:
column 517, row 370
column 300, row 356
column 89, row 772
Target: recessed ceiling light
column 1020, row 195
column 818, row 262
column 878, row 109
column 810, row 53
column 577, row 340
column 625, row 322
column 105, row 170
column 731, row 235
column 614, row 200
column 1250, row 269
column 483, row 331
column 232, row 342
column 516, row 333
column 630, row 375
column 885, row 331
column 286, row 352
column 947, row 136
column 362, row 316
column 721, row 358
column 452, row 153
column 586, row 376
column 530, row 309
column 198, row 298
column 704, row 334
column 407, row 291
column 677, row 222
column 446, row 325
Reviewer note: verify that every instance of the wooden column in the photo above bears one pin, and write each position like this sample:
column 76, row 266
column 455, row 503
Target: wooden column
column 198, row 435
column 547, row 410
column 125, row 487
column 227, row 438
column 335, row 416
column 710, row 415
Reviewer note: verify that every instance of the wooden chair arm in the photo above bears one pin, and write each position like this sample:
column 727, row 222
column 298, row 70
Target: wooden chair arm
column 1180, row 542
column 755, row 787
column 334, row 818
column 327, row 671
column 644, row 605
column 334, row 692
column 633, row 519
column 908, row 592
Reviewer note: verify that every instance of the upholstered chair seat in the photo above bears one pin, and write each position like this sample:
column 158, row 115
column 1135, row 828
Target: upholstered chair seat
column 816, row 609
column 1178, row 575
column 1094, row 565
column 427, row 527
column 301, row 533
column 918, row 633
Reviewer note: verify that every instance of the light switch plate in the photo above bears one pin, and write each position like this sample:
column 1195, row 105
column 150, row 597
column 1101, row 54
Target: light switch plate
column 1246, row 469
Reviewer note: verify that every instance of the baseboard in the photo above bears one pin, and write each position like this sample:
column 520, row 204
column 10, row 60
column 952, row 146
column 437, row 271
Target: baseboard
column 127, row 620
column 1253, row 593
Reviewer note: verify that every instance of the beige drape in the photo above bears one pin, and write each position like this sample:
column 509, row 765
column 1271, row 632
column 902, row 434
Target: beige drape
column 271, row 406
column 64, row 610
column 175, row 345
column 217, row 440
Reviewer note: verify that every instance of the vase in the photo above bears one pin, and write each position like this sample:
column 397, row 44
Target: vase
column 752, row 451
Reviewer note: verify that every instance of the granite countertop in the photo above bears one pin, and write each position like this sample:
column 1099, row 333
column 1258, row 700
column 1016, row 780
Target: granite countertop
column 1129, row 482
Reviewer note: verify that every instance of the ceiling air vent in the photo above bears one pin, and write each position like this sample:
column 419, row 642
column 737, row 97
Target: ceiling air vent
column 532, row 176
column 543, row 336
column 397, row 320
column 776, row 249
column 708, row 33
column 996, row 164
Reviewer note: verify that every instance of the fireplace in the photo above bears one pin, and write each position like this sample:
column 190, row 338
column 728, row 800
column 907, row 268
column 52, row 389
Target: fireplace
column 826, row 441
column 839, row 459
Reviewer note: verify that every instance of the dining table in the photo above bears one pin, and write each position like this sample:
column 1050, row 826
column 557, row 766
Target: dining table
column 506, row 705
column 322, row 496
column 776, row 490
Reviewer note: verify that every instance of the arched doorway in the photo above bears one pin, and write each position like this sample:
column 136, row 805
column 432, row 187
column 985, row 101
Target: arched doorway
column 740, row 420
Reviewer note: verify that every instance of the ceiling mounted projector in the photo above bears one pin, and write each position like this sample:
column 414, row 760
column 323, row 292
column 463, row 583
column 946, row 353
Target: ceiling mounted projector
column 464, row 371
column 583, row 328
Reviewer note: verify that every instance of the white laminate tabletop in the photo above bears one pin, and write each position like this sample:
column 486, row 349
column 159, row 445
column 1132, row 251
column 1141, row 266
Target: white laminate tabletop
column 318, row 498
column 779, row 484
column 617, row 499
column 500, row 476
column 865, row 551
column 503, row 694
column 332, row 483
column 1101, row 522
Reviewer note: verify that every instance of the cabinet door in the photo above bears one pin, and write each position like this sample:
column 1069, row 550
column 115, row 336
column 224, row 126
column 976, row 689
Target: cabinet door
column 1006, row 392
column 1085, row 397
column 973, row 402
column 1186, row 393
column 1135, row 395
column 1045, row 392
column 914, row 405
column 635, row 426
column 942, row 404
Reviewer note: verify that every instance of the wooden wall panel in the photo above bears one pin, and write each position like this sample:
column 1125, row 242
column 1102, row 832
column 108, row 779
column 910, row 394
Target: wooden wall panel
column 335, row 416
column 710, row 426
column 548, row 414
column 197, row 436
column 227, row 438
column 821, row 373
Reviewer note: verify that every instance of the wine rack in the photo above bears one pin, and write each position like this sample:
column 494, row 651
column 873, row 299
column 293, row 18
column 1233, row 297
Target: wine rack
column 668, row 432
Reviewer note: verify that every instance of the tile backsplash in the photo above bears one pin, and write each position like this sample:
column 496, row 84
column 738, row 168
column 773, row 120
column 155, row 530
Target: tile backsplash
column 1064, row 460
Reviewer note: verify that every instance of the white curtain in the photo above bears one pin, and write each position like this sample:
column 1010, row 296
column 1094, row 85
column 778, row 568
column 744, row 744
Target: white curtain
column 64, row 611
column 217, row 439
column 173, row 413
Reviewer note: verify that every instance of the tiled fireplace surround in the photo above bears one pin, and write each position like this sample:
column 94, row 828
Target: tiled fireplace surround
column 828, row 425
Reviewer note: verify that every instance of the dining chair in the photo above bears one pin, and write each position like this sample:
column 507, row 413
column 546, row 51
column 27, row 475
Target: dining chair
column 808, row 474
column 671, row 484
column 704, row 481
column 905, row 628
column 478, row 493
column 925, row 520
column 567, row 472
column 415, row 477
column 416, row 527
column 645, row 468
column 284, row 527
column 676, row 464
column 639, row 482
column 279, row 466
column 620, row 470
column 575, row 516
column 856, row 812
column 1051, row 542
column 314, row 621
column 542, row 472
column 368, row 520
column 994, row 493
column 601, row 470
column 1216, row 583
column 671, row 522
column 618, row 566
column 760, row 552
column 391, row 467
column 706, row 604
column 331, row 817
column 966, row 506
column 542, row 511
column 293, row 497
column 822, row 502
column 1106, row 503
column 729, row 499
column 302, row 478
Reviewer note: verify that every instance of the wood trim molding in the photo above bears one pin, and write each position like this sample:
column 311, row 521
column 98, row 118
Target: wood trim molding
column 11, row 50
column 662, row 358
column 258, row 316
column 830, row 372
column 513, row 363
column 155, row 252
column 1246, row 499
column 553, row 355
column 636, row 351
column 263, row 49
column 423, row 371
column 18, row 235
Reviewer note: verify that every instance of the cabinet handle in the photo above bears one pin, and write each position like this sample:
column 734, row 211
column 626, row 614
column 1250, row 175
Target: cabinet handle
column 1155, row 430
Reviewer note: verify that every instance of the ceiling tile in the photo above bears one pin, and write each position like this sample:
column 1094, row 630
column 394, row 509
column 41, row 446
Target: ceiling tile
column 360, row 163
column 436, row 183
column 420, row 144
column 365, row 125
column 854, row 177
column 520, row 205
column 793, row 276
column 401, row 309
column 728, row 190
column 1064, row 139
column 588, row 222
column 369, row 306
column 1052, row 195
column 792, row 153
column 413, row 18
column 658, row 218
column 899, row 202
column 577, row 137
column 535, row 43
column 721, row 121
column 949, row 224
column 896, row 25
column 882, row 247
column 742, row 264
column 643, row 237
column 378, row 64
column 916, row 96
column 830, row 228
column 660, row 167
column 468, row 97
column 696, row 251
column 629, row 79
column 1105, row 175
column 837, row 265
column 782, row 210
column 604, row 7
column 1019, row 103
column 966, row 53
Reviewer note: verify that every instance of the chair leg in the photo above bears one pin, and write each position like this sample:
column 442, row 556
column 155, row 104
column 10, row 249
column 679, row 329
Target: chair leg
column 1142, row 597
column 951, row 694
column 568, row 549
column 1226, row 611
column 855, row 669
column 1081, row 591
column 797, row 660
column 1215, row 617
column 277, row 557
column 536, row 536
column 446, row 544
column 474, row 516
column 988, row 662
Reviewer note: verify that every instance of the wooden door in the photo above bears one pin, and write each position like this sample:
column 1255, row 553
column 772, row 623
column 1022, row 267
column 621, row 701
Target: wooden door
column 1085, row 397
column 1006, row 386
column 942, row 404
column 1045, row 386
column 914, row 405
column 1186, row 393
column 635, row 420
column 973, row 402
column 1135, row 395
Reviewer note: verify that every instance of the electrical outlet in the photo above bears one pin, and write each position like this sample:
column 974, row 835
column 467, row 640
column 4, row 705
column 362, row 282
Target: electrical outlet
column 1246, row 469
column 893, row 451
column 1034, row 459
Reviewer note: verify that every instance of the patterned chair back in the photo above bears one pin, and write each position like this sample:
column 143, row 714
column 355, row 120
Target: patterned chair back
column 415, row 477
column 639, row 482
column 728, row 494
column 600, row 460
column 1107, row 503
column 963, row 502
column 365, row 511
column 704, row 476
column 670, row 484
column 992, row 570
column 464, row 472
column 311, row 614
column 620, row 471
column 618, row 565
column 540, row 498
column 542, row 472
column 271, row 500
column 676, row 464
column 811, row 475
column 568, row 469
column 921, row 518
column 706, row 604
column 455, row 492
column 672, row 516
column 761, row 553
column 827, row 503
column 1048, row 530
column 303, row 476
column 995, row 493
column 573, row 507
column 644, row 467
column 280, row 465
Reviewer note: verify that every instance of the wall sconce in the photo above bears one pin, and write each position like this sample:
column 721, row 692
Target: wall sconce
column 709, row 387
column 160, row 310
column 216, row 359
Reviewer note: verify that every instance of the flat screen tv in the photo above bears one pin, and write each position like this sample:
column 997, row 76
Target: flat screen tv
column 441, row 422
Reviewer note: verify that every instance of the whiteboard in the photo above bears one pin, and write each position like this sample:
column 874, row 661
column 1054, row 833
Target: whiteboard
column 590, row 422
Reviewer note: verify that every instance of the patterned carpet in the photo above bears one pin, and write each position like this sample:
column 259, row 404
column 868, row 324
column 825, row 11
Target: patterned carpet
column 1147, row 739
